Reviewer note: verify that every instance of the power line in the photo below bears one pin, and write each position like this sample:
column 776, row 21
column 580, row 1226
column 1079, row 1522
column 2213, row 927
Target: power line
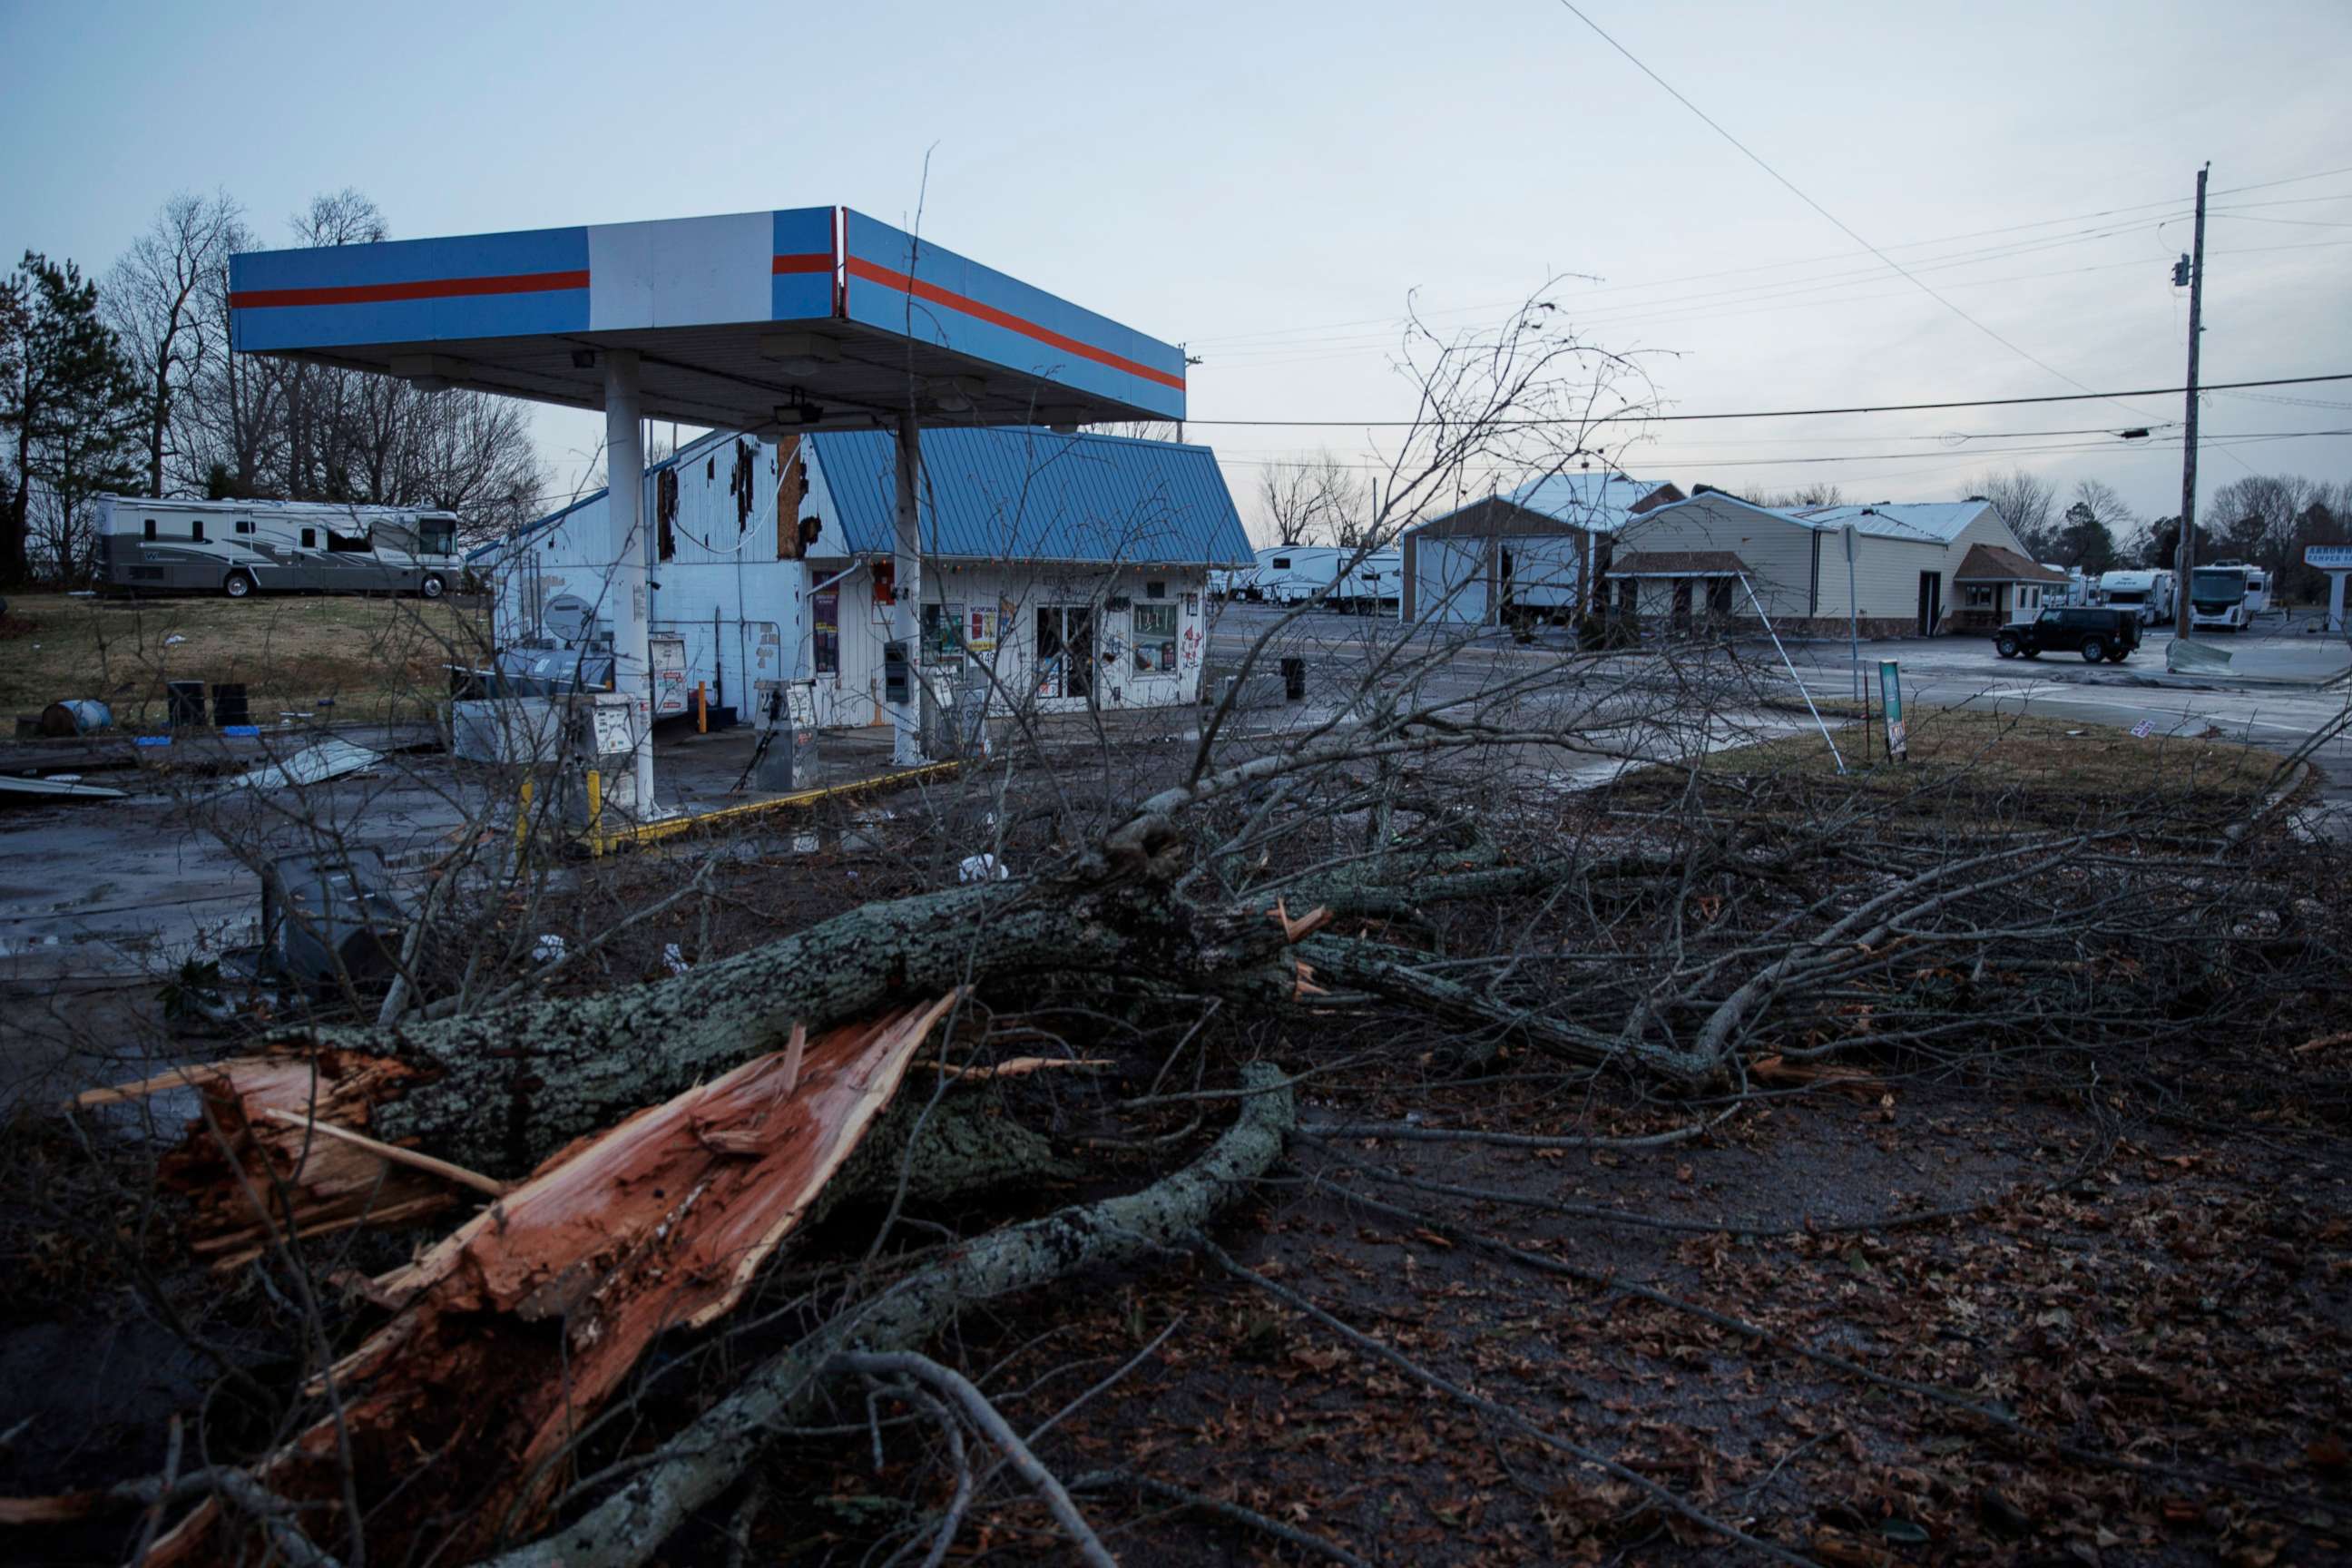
column 1636, row 418
column 1790, row 185
column 1970, row 455
column 1303, row 333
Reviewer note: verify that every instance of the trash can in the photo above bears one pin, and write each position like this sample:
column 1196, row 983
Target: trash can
column 1294, row 679
column 229, row 705
column 186, row 699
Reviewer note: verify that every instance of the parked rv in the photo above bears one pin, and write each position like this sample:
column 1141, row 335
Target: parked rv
column 2077, row 589
column 2149, row 595
column 1293, row 573
column 2226, row 596
column 243, row 548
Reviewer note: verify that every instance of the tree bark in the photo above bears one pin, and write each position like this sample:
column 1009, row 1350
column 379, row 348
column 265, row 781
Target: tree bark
column 508, row 1087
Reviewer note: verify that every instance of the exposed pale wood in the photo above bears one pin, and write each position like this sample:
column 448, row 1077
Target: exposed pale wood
column 395, row 1154
column 793, row 1049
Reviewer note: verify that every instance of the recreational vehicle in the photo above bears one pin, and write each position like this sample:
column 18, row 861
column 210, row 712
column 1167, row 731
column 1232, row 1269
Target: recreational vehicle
column 2149, row 595
column 1293, row 573
column 2226, row 596
column 243, row 548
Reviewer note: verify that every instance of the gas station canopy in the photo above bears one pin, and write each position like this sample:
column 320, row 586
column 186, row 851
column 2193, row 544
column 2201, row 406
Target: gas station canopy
column 812, row 318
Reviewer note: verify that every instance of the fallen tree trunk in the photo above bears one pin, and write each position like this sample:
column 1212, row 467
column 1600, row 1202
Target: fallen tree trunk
column 501, row 1090
column 704, row 1460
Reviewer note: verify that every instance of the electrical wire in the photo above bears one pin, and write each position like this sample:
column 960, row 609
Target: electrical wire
column 1925, row 288
column 1636, row 417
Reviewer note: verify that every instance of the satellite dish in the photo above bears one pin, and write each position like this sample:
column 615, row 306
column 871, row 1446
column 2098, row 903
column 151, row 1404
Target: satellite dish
column 568, row 618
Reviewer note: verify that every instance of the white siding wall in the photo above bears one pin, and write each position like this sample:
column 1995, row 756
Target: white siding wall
column 737, row 607
column 1013, row 593
column 1885, row 575
column 1779, row 553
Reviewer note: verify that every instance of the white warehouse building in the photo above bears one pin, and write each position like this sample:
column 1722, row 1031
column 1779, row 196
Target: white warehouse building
column 1061, row 571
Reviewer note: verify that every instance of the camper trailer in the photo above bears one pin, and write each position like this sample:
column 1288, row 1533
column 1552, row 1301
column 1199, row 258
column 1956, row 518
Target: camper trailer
column 2226, row 596
column 1293, row 573
column 243, row 548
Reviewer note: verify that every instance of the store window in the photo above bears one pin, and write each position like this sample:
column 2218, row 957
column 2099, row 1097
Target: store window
column 1979, row 595
column 825, row 633
column 1155, row 638
column 943, row 632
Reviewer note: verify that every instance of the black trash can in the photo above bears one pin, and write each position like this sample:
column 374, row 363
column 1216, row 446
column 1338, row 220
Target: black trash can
column 229, row 705
column 186, row 699
column 1294, row 679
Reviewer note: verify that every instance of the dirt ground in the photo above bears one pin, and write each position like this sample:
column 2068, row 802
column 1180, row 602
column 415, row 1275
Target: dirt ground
column 1945, row 1314
column 356, row 658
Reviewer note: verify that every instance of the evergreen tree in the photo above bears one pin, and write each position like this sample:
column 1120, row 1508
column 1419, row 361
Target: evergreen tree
column 68, row 405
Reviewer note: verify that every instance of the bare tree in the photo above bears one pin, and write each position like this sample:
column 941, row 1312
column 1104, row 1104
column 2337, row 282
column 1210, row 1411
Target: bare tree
column 270, row 430
column 156, row 299
column 1319, row 500
column 1804, row 497
column 2026, row 501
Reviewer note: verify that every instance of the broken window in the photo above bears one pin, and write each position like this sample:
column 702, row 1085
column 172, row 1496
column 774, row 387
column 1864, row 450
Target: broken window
column 1065, row 650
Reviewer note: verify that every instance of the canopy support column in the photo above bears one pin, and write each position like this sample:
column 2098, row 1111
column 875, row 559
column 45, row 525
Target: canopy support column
column 629, row 588
column 906, row 588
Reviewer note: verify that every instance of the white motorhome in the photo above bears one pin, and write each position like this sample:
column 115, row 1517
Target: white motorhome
column 2149, row 593
column 2226, row 596
column 243, row 548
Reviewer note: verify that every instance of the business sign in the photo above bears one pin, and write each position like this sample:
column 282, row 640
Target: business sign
column 2328, row 557
column 1890, row 694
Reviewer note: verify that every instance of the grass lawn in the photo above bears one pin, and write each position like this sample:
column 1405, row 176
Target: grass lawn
column 365, row 658
column 1995, row 769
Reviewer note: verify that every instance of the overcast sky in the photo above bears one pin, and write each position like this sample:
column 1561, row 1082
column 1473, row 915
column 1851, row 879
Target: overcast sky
column 1267, row 181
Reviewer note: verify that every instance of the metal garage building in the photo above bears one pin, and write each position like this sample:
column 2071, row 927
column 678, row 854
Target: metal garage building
column 1534, row 551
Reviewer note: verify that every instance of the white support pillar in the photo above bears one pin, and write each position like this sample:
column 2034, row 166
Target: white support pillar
column 628, row 589
column 906, row 579
column 2335, row 624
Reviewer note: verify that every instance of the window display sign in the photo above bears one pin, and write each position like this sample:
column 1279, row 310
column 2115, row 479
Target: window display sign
column 980, row 631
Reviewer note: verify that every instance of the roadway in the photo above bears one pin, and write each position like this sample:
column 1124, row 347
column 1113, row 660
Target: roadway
column 1951, row 672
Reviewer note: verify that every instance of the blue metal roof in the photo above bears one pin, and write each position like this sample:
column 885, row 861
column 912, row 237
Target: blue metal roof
column 1027, row 494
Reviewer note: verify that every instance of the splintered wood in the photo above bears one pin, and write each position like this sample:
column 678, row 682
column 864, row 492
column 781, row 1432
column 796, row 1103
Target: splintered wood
column 274, row 1150
column 512, row 1332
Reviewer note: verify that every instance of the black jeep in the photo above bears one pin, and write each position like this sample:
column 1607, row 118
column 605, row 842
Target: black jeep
column 2096, row 633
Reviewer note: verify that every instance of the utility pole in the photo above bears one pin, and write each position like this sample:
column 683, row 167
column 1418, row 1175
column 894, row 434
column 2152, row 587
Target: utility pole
column 2196, row 280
